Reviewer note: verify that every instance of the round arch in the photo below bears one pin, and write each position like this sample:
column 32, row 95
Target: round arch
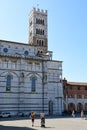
column 33, row 74
column 7, row 73
column 85, row 106
column 71, row 107
column 79, row 107
column 50, row 103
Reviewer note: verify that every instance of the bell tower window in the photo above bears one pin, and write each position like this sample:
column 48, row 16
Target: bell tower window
column 42, row 42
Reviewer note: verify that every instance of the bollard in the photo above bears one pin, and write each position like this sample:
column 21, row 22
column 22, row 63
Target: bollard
column 42, row 115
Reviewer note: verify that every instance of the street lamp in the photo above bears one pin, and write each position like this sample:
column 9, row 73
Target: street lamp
column 44, row 81
column 59, row 96
column 21, row 80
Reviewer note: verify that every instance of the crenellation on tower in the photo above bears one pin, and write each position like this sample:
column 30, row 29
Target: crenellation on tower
column 39, row 10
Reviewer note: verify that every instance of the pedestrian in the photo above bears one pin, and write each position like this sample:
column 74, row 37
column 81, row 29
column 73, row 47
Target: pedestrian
column 73, row 113
column 32, row 116
column 82, row 114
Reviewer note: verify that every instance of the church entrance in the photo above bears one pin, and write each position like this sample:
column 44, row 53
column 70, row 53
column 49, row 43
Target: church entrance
column 50, row 107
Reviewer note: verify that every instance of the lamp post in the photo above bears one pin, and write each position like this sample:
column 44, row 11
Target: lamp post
column 59, row 96
column 20, row 82
column 44, row 81
column 42, row 86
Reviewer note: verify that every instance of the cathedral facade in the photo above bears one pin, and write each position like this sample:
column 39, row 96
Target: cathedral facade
column 30, row 80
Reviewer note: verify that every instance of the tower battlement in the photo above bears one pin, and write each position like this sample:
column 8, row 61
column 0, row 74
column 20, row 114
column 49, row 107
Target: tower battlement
column 37, row 10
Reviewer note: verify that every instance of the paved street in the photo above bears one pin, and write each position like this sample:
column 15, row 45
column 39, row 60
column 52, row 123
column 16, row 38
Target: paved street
column 50, row 123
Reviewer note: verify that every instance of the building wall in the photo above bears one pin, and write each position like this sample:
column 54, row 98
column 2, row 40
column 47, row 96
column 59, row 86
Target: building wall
column 29, row 79
column 75, row 96
column 22, row 68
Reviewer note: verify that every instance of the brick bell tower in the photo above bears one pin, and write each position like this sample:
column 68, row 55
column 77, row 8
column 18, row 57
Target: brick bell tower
column 38, row 30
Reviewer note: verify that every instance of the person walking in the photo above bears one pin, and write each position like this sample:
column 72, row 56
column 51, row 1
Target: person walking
column 73, row 113
column 32, row 116
column 82, row 114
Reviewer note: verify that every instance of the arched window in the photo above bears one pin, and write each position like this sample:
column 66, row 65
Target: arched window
column 33, row 84
column 43, row 22
column 43, row 32
column 39, row 42
column 42, row 42
column 8, row 83
column 37, row 31
column 85, row 87
column 50, row 107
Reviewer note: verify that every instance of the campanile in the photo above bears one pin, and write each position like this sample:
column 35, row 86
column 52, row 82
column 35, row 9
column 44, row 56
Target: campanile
column 38, row 35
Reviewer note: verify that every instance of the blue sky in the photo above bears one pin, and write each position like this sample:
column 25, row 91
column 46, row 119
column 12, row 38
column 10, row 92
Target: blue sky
column 67, row 30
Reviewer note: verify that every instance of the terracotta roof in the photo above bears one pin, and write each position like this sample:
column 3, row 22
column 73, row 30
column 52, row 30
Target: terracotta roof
column 78, row 83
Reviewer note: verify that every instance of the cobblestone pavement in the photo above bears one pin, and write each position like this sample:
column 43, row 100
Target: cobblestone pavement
column 50, row 124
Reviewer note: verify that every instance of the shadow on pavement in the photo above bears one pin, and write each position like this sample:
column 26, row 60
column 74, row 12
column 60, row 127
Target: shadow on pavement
column 15, row 128
column 45, row 127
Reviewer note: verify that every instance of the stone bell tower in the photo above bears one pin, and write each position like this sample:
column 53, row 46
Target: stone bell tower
column 38, row 36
